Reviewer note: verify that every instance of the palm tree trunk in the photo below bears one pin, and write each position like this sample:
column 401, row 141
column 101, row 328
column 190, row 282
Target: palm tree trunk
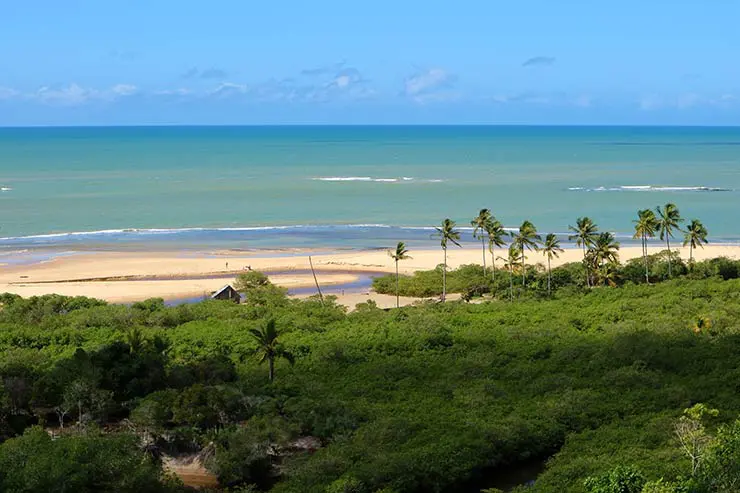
column 585, row 266
column 549, row 292
column 524, row 273
column 483, row 246
column 511, row 281
column 645, row 258
column 272, row 369
column 444, row 277
column 493, row 265
column 668, row 245
column 398, row 303
column 691, row 254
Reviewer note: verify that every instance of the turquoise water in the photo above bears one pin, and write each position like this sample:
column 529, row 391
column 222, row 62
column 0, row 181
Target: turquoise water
column 253, row 187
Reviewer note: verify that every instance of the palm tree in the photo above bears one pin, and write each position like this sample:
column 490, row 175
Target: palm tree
column 268, row 348
column 526, row 238
column 604, row 252
column 400, row 253
column 496, row 234
column 668, row 219
column 551, row 248
column 645, row 227
column 585, row 232
column 696, row 235
column 512, row 261
column 446, row 233
column 479, row 224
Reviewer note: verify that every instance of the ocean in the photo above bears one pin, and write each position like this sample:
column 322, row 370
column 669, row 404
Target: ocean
column 70, row 189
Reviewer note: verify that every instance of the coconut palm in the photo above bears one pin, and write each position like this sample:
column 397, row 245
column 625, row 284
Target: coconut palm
column 479, row 224
column 645, row 226
column 268, row 348
column 511, row 262
column 605, row 251
column 526, row 238
column 584, row 233
column 496, row 234
column 400, row 253
column 668, row 220
column 446, row 234
column 696, row 236
column 551, row 248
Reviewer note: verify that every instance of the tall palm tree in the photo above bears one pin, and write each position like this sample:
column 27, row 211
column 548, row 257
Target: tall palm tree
column 696, row 236
column 511, row 261
column 584, row 233
column 551, row 248
column 268, row 347
column 526, row 239
column 446, row 234
column 605, row 251
column 668, row 220
column 479, row 224
column 645, row 226
column 400, row 253
column 496, row 234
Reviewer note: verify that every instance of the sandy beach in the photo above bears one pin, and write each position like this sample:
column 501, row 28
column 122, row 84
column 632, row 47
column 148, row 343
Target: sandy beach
column 131, row 276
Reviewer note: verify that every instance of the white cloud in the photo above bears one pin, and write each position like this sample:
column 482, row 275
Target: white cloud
column 228, row 89
column 174, row 92
column 427, row 81
column 124, row 89
column 8, row 93
column 72, row 94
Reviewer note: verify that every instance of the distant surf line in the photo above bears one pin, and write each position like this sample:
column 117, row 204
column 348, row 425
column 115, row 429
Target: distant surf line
column 650, row 188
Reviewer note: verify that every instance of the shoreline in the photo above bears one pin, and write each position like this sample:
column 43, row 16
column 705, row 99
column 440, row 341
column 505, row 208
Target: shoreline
column 121, row 277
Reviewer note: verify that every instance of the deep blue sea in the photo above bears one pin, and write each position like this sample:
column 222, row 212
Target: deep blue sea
column 348, row 187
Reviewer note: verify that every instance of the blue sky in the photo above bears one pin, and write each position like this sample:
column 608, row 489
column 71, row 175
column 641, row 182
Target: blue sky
column 280, row 62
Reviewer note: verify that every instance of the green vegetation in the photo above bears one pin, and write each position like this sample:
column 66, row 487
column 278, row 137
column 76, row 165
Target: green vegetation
column 437, row 397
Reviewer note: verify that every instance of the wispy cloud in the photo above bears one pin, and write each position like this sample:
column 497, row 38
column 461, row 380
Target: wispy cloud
column 435, row 84
column 210, row 73
column 8, row 93
column 74, row 94
column 685, row 101
column 228, row 89
column 539, row 61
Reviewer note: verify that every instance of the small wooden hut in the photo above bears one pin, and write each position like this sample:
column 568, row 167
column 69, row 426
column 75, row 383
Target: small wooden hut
column 227, row 293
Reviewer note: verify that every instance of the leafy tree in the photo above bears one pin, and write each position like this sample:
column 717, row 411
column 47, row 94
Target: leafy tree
column 526, row 239
column 604, row 255
column 668, row 221
column 512, row 261
column 621, row 479
column 84, row 463
column 584, row 233
column 479, row 224
column 84, row 397
column 645, row 227
column 692, row 434
column 496, row 238
column 446, row 234
column 268, row 348
column 695, row 236
column 551, row 248
column 720, row 471
column 250, row 280
column 400, row 253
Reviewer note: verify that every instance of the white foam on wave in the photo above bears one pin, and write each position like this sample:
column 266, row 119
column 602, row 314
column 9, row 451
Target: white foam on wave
column 5, row 189
column 650, row 188
column 374, row 179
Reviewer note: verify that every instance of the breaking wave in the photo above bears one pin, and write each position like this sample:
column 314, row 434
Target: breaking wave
column 649, row 188
column 401, row 179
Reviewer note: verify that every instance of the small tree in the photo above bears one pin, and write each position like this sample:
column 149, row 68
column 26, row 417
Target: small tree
column 268, row 348
column 692, row 434
column 400, row 253
column 621, row 479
